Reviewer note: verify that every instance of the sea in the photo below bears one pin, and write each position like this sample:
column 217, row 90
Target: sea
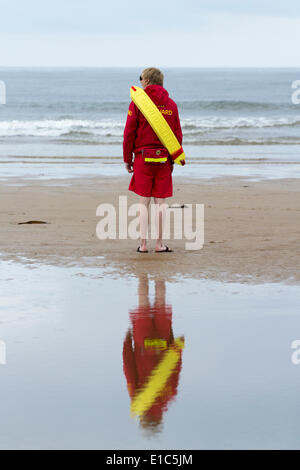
column 68, row 122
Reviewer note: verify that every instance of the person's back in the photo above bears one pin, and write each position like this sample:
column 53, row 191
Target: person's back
column 138, row 133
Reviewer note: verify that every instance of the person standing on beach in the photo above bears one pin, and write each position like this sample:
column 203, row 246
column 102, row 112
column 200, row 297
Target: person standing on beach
column 150, row 179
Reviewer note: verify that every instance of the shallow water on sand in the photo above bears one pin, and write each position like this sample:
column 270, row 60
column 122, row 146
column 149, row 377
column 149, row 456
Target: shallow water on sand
column 263, row 162
column 208, row 365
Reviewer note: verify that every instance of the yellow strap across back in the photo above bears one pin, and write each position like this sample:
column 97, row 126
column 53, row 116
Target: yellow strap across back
column 158, row 124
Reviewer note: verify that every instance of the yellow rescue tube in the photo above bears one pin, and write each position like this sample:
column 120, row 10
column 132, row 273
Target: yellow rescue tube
column 158, row 124
column 146, row 397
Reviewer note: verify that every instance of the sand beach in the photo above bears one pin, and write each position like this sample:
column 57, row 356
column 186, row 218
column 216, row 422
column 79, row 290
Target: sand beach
column 251, row 228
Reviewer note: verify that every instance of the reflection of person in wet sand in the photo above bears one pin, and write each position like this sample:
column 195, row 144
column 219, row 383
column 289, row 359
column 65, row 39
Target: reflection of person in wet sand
column 151, row 356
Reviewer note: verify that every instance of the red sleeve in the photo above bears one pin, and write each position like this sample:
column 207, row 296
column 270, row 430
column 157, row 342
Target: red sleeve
column 129, row 365
column 130, row 133
column 177, row 130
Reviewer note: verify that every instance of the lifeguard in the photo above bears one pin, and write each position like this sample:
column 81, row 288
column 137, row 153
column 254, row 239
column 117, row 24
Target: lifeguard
column 153, row 165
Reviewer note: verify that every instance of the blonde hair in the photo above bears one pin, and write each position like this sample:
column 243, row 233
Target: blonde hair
column 155, row 76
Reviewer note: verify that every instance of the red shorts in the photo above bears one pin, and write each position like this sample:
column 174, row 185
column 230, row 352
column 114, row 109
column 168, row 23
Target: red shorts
column 151, row 179
column 151, row 322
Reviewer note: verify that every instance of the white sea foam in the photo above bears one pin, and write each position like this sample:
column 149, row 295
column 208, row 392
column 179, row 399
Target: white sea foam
column 56, row 128
column 114, row 128
column 238, row 122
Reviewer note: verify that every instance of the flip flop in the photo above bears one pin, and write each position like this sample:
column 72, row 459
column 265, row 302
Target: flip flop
column 140, row 251
column 166, row 250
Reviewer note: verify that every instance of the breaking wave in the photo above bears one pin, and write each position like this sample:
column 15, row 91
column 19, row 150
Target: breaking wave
column 210, row 130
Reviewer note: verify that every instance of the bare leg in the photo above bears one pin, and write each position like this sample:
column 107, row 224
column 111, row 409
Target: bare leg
column 144, row 216
column 160, row 291
column 143, row 291
column 160, row 216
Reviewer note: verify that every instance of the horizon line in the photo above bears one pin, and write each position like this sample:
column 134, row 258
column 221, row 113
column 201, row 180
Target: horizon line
column 142, row 66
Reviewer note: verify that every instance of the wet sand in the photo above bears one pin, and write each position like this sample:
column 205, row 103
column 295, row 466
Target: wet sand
column 252, row 228
column 64, row 383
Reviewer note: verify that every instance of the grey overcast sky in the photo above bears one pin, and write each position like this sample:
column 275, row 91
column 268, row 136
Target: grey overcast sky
column 165, row 33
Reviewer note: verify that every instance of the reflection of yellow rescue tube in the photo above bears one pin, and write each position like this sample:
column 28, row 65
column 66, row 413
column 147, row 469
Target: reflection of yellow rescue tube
column 158, row 124
column 145, row 398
